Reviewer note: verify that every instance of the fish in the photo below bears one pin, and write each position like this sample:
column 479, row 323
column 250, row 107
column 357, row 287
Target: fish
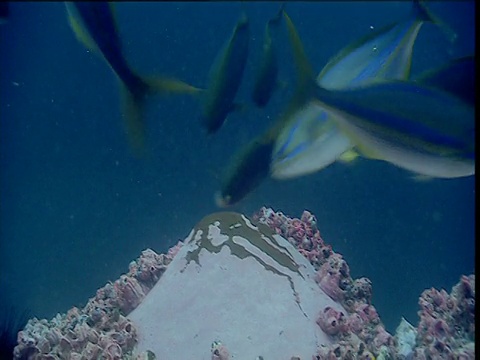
column 383, row 54
column 311, row 141
column 225, row 77
column 423, row 129
column 250, row 165
column 321, row 138
column 95, row 26
column 266, row 78
column 410, row 136
column 248, row 169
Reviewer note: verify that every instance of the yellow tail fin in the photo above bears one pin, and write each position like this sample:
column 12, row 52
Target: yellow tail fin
column 134, row 103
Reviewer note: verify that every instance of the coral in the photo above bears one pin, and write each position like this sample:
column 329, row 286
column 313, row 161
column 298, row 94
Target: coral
column 11, row 322
column 447, row 322
column 333, row 277
column 359, row 333
column 238, row 282
column 219, row 351
column 332, row 321
column 345, row 322
column 301, row 233
column 350, row 348
column 101, row 328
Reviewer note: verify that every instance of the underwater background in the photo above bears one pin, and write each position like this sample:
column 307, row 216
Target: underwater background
column 76, row 206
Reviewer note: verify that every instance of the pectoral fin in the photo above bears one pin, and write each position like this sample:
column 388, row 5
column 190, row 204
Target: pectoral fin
column 164, row 85
column 348, row 156
column 421, row 178
column 79, row 30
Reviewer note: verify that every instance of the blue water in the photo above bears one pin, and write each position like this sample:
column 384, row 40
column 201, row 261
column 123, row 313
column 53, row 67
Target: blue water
column 77, row 207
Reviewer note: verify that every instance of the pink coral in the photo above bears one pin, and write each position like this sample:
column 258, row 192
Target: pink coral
column 219, row 351
column 447, row 322
column 332, row 321
column 100, row 329
column 446, row 329
column 358, row 332
column 302, row 233
column 358, row 291
column 334, row 276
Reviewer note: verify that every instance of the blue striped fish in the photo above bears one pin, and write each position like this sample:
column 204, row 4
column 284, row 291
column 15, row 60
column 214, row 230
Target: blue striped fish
column 427, row 130
column 95, row 26
column 266, row 78
column 311, row 140
column 225, row 77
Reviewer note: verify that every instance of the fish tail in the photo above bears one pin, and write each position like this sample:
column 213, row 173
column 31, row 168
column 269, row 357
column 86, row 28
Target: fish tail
column 422, row 13
column 134, row 98
column 243, row 12
column 133, row 101
column 305, row 74
column 278, row 16
column 307, row 88
column 165, row 85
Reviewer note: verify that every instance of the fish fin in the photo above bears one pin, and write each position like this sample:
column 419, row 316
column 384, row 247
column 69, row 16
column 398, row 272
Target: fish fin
column 243, row 15
column 305, row 82
column 305, row 72
column 165, row 85
column 364, row 150
column 361, row 148
column 132, row 114
column 307, row 86
column 113, row 11
column 421, row 178
column 278, row 16
column 134, row 103
column 421, row 12
column 456, row 77
column 79, row 30
column 348, row 156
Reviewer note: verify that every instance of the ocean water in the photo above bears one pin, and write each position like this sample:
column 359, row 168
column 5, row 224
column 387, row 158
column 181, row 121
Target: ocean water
column 76, row 207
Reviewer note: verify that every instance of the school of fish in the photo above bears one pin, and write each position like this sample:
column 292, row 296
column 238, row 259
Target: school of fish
column 363, row 102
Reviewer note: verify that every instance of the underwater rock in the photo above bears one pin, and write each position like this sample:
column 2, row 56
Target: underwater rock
column 447, row 322
column 100, row 329
column 405, row 335
column 235, row 290
column 359, row 333
column 238, row 283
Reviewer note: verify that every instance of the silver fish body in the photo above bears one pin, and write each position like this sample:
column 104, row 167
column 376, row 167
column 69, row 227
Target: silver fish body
column 425, row 130
column 95, row 26
column 266, row 78
column 225, row 78
column 385, row 54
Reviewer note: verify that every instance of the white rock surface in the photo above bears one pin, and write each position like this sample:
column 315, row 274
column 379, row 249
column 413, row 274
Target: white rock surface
column 239, row 284
column 405, row 335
